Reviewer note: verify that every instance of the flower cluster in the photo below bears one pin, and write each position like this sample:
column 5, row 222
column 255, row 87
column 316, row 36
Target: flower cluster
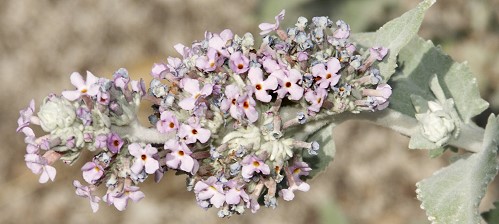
column 224, row 113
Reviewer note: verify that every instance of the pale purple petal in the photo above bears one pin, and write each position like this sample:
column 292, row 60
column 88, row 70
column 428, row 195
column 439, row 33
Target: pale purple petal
column 77, row 80
column 187, row 103
column 203, row 135
column 71, row 95
column 135, row 150
column 151, row 165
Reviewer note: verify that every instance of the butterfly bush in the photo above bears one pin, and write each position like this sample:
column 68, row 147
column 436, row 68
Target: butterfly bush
column 223, row 114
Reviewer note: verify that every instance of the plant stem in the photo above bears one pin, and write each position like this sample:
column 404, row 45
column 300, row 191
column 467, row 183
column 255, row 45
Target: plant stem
column 135, row 131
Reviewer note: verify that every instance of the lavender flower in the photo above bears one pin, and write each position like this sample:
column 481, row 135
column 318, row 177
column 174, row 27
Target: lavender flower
column 225, row 113
column 269, row 27
column 143, row 158
column 88, row 87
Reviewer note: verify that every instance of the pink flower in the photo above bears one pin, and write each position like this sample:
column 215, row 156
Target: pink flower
column 92, row 172
column 143, row 158
column 288, row 82
column 89, row 87
column 114, row 143
column 120, row 199
column 211, row 190
column 232, row 92
column 294, row 182
column 26, row 116
column 343, row 30
column 327, row 77
column 269, row 27
column 316, row 98
column 180, row 155
column 234, row 195
column 167, row 123
column 380, row 95
column 87, row 192
column 238, row 62
column 378, row 52
column 219, row 42
column 192, row 86
column 247, row 103
column 270, row 65
column 210, row 62
column 158, row 70
column 39, row 165
column 260, row 87
column 252, row 164
column 193, row 132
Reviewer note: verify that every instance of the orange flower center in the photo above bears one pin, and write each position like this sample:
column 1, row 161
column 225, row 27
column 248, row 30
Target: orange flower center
column 288, row 84
column 143, row 157
column 181, row 153
column 328, row 76
column 194, row 131
column 240, row 66
column 256, row 163
column 172, row 125
column 245, row 104
column 258, row 87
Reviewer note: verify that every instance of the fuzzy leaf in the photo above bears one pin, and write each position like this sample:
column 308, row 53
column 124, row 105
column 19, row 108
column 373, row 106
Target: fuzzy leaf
column 453, row 194
column 324, row 137
column 419, row 61
column 492, row 216
column 394, row 35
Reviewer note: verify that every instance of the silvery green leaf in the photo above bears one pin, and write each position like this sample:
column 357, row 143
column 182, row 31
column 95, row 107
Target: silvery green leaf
column 419, row 61
column 453, row 194
column 394, row 35
column 492, row 216
column 324, row 137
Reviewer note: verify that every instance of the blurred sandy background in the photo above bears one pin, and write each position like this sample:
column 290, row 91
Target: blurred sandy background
column 372, row 179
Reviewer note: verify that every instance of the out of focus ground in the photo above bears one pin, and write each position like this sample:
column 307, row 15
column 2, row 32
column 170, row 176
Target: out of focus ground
column 372, row 179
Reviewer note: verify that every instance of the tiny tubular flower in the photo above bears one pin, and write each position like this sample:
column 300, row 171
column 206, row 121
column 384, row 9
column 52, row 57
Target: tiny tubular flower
column 210, row 62
column 378, row 53
column 260, row 86
column 269, row 27
column 143, row 158
column 234, row 195
column 380, row 95
column 238, row 62
column 39, row 165
column 158, row 70
column 167, row 123
column 252, row 164
column 92, row 172
column 114, row 143
column 26, row 116
column 210, row 189
column 88, row 87
column 193, row 132
column 192, row 86
column 247, row 103
column 343, row 30
column 87, row 192
column 120, row 199
column 288, row 80
column 180, row 157
column 316, row 98
column 326, row 77
column 232, row 92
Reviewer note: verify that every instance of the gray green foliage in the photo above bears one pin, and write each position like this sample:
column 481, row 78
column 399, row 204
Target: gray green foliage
column 395, row 35
column 492, row 216
column 324, row 137
column 419, row 60
column 453, row 194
